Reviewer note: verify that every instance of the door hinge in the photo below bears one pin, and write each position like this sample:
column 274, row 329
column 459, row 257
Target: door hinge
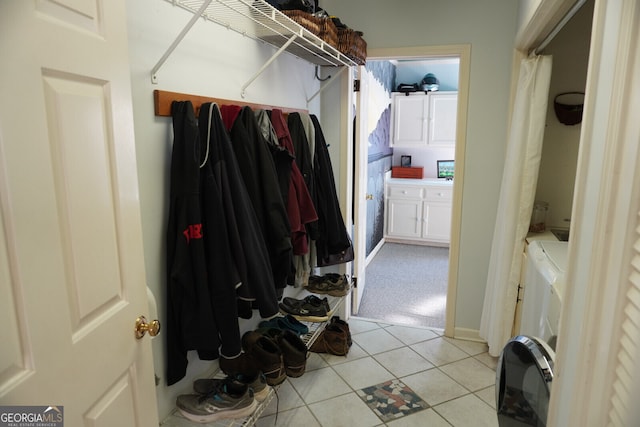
column 356, row 85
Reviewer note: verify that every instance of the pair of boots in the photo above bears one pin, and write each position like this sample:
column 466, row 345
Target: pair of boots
column 334, row 339
column 274, row 352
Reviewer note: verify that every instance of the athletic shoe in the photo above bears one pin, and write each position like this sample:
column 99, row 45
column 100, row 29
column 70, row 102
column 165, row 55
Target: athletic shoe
column 256, row 382
column 311, row 308
column 286, row 322
column 333, row 284
column 229, row 400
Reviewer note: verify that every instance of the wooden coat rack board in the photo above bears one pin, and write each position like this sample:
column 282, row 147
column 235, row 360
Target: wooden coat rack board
column 162, row 100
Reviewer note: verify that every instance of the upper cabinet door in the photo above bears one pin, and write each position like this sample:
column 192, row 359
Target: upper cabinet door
column 422, row 120
column 443, row 108
column 409, row 118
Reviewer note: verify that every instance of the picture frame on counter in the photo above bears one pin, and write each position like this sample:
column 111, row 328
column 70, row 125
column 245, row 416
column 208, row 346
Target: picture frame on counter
column 405, row 161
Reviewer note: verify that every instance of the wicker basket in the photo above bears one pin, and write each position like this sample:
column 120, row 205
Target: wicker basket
column 351, row 43
column 324, row 28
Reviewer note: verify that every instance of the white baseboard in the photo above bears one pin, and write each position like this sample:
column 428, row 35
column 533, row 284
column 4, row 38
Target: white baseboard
column 467, row 334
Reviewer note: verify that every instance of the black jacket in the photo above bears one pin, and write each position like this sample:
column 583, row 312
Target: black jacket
column 333, row 244
column 189, row 324
column 256, row 165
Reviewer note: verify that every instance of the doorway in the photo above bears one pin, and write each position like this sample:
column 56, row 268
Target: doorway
column 363, row 199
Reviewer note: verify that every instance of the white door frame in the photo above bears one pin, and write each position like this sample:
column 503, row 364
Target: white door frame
column 462, row 51
column 594, row 341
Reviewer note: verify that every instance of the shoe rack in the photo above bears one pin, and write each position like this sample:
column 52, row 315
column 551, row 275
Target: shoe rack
column 315, row 328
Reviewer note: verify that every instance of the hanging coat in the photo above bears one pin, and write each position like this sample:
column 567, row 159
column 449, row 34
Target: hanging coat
column 301, row 150
column 259, row 175
column 300, row 208
column 190, row 323
column 333, row 244
column 246, row 239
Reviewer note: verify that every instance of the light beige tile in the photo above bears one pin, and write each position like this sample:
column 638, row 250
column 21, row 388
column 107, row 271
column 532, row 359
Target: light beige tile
column 470, row 373
column 315, row 361
column 434, row 387
column 468, row 411
column 487, row 359
column 428, row 417
column 355, row 352
column 320, row 384
column 439, row 352
column 294, row 417
column 403, row 361
column 488, row 395
column 347, row 410
column 286, row 399
column 357, row 325
column 409, row 335
column 377, row 341
column 363, row 373
column 470, row 347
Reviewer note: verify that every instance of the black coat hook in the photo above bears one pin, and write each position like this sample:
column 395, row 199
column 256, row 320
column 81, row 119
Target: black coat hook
column 318, row 77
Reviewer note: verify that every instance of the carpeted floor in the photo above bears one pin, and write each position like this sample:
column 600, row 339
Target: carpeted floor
column 407, row 284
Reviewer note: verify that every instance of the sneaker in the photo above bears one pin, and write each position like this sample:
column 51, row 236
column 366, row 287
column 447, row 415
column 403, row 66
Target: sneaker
column 256, row 383
column 286, row 322
column 229, row 400
column 311, row 308
column 333, row 284
column 332, row 340
column 266, row 355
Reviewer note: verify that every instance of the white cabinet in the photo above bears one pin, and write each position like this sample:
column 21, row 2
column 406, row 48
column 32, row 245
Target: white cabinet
column 424, row 119
column 418, row 210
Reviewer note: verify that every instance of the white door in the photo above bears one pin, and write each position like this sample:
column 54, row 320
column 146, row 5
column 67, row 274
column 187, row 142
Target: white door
column 72, row 275
column 360, row 190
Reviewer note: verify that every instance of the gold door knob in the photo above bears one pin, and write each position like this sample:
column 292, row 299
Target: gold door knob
column 142, row 327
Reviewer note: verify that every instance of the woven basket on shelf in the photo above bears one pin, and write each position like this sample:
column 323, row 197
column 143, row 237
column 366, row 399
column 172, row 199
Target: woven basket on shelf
column 351, row 43
column 324, row 28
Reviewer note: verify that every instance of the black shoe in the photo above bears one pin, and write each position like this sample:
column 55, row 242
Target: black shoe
column 311, row 308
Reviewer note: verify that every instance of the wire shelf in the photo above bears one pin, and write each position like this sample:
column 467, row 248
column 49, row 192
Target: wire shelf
column 261, row 21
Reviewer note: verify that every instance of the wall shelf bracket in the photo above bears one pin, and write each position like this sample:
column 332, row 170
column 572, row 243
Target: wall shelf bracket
column 327, row 83
column 176, row 42
column 282, row 49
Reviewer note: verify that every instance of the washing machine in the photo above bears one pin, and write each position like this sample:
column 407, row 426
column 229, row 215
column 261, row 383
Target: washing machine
column 544, row 284
column 525, row 369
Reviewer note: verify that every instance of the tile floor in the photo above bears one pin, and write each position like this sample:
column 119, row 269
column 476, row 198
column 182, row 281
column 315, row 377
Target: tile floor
column 453, row 380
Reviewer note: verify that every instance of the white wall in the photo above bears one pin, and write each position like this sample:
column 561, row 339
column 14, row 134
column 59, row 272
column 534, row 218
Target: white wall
column 211, row 61
column 489, row 26
column 570, row 51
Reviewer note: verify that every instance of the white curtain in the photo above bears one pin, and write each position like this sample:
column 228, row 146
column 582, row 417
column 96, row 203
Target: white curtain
column 517, row 194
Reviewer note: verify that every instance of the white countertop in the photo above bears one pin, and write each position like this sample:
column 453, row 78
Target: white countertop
column 424, row 181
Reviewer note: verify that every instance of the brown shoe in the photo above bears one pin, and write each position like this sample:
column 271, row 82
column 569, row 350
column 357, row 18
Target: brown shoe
column 344, row 326
column 266, row 355
column 239, row 365
column 294, row 352
column 332, row 340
